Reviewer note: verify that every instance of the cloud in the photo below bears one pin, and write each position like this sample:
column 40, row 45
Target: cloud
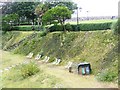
column 99, row 7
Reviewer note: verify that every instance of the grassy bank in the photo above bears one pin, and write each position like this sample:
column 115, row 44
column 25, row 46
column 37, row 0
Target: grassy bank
column 97, row 47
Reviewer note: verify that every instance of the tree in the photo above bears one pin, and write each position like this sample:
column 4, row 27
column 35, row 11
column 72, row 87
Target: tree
column 43, row 7
column 8, row 21
column 23, row 9
column 68, row 3
column 59, row 14
column 40, row 10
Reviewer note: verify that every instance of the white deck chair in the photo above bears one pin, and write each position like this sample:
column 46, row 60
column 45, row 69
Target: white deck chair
column 48, row 58
column 38, row 57
column 67, row 64
column 29, row 55
column 70, row 65
column 44, row 59
column 58, row 62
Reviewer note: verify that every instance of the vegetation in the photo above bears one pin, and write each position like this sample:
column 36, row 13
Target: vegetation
column 98, row 47
column 42, row 8
column 29, row 69
column 9, row 59
column 50, row 77
column 25, row 10
column 115, row 27
column 22, row 13
column 83, row 27
column 25, row 28
column 10, row 38
column 16, row 78
column 59, row 14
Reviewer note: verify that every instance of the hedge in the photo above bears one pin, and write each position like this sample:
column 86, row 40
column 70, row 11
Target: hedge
column 83, row 27
column 80, row 27
column 25, row 28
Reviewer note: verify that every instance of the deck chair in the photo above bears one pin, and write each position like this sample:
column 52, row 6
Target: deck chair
column 68, row 65
column 30, row 55
column 58, row 62
column 48, row 58
column 38, row 57
column 44, row 59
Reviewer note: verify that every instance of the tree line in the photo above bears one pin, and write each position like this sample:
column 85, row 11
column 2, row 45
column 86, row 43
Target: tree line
column 36, row 13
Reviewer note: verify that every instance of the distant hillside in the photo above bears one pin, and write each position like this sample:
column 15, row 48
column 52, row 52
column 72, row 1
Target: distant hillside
column 97, row 47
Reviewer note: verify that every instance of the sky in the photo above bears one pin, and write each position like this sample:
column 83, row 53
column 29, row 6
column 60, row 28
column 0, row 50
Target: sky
column 97, row 7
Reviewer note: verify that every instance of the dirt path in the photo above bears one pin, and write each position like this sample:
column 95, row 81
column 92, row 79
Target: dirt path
column 72, row 80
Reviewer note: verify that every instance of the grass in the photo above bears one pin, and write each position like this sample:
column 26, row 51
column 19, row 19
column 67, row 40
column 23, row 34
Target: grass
column 50, row 77
column 14, row 78
column 95, row 21
column 94, row 46
column 97, row 47
column 13, row 37
column 8, row 59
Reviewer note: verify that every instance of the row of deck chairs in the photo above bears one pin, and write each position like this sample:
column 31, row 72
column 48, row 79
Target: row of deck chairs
column 46, row 59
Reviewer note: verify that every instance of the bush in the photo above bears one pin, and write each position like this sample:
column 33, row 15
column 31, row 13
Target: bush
column 44, row 33
column 22, row 28
column 82, row 27
column 55, row 28
column 68, row 27
column 115, row 27
column 28, row 28
column 25, row 28
column 106, row 76
column 29, row 69
column 5, row 26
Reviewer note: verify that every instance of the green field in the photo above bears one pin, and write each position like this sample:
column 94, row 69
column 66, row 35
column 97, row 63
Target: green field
column 95, row 21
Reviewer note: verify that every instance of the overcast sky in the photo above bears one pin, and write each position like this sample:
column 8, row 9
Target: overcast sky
column 98, row 7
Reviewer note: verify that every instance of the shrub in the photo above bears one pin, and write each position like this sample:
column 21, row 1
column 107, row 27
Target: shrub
column 106, row 76
column 68, row 27
column 44, row 33
column 82, row 27
column 115, row 27
column 55, row 28
column 29, row 69
column 25, row 28
column 22, row 28
column 5, row 26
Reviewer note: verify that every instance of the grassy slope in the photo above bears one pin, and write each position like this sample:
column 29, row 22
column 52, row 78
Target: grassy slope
column 97, row 47
column 10, row 38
